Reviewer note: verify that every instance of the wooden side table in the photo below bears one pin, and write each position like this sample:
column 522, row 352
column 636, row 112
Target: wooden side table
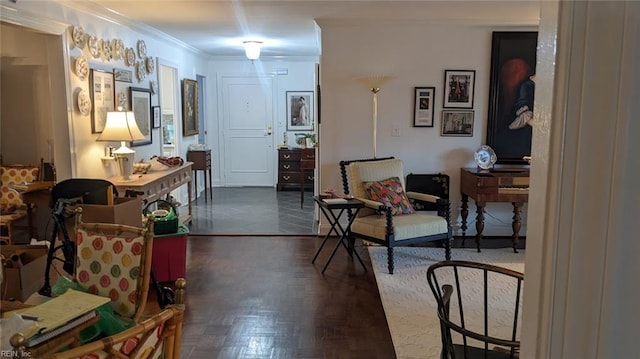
column 202, row 162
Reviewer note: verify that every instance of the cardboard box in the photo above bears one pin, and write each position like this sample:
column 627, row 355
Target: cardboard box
column 20, row 282
column 125, row 210
column 169, row 261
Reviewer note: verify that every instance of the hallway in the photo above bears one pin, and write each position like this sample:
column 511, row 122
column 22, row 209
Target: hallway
column 253, row 210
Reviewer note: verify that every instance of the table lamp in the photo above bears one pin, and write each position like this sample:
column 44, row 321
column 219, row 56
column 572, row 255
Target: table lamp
column 121, row 126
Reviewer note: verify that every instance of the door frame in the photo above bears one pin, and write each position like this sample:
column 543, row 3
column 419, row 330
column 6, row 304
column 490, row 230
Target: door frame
column 221, row 126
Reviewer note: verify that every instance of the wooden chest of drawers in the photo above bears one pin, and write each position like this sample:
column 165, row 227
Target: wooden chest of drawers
column 289, row 168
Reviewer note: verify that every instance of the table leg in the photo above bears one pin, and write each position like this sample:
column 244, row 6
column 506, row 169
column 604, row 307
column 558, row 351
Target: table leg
column 210, row 184
column 332, row 229
column 516, row 224
column 479, row 223
column 30, row 221
column 464, row 213
column 195, row 182
column 302, row 188
column 189, row 189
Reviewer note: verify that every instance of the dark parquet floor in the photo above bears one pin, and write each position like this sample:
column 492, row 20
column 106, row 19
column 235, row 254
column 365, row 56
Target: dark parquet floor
column 257, row 297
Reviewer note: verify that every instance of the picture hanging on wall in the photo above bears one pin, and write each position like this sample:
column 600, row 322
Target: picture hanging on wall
column 423, row 108
column 189, row 107
column 457, row 123
column 458, row 88
column 511, row 94
column 102, row 97
column 141, row 108
column 299, row 110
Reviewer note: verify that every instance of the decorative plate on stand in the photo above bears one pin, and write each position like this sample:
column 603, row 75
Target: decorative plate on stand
column 485, row 157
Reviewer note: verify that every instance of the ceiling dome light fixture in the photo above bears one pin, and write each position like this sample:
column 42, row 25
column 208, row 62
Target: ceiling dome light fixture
column 252, row 49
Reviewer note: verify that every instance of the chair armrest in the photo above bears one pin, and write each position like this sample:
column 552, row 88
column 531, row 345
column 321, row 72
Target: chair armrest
column 371, row 204
column 423, row 197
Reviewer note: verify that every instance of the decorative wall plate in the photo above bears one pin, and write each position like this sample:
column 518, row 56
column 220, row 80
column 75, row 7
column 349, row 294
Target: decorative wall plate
column 141, row 72
column 77, row 34
column 130, row 57
column 485, row 157
column 92, row 43
column 117, row 49
column 81, row 67
column 142, row 49
column 106, row 50
column 153, row 86
column 84, row 103
column 150, row 65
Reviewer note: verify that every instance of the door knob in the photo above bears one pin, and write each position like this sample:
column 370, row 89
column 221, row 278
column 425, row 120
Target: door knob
column 269, row 130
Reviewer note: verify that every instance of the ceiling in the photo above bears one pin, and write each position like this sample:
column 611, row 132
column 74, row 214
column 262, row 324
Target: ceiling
column 290, row 27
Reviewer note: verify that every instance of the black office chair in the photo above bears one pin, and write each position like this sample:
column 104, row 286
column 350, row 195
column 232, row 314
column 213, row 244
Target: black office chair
column 64, row 195
column 479, row 309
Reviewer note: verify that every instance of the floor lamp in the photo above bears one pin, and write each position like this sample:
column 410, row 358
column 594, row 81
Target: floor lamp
column 374, row 83
column 121, row 126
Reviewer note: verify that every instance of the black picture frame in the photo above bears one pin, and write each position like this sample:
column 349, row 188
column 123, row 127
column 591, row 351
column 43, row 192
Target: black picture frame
column 459, row 89
column 511, row 90
column 423, row 106
column 140, row 102
column 457, row 123
column 155, row 112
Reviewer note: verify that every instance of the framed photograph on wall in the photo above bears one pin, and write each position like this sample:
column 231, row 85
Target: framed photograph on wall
column 511, row 95
column 458, row 88
column 155, row 112
column 141, row 108
column 102, row 96
column 299, row 110
column 123, row 75
column 457, row 123
column 189, row 107
column 423, row 106
column 122, row 95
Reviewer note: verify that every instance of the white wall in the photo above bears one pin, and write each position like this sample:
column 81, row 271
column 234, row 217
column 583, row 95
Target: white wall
column 416, row 55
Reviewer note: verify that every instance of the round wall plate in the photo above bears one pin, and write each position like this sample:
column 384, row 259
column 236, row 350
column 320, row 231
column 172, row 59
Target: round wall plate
column 485, row 157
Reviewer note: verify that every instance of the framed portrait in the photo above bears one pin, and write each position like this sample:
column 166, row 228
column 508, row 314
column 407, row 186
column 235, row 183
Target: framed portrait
column 511, row 95
column 141, row 108
column 423, row 106
column 155, row 112
column 299, row 110
column 459, row 88
column 102, row 96
column 457, row 123
column 189, row 107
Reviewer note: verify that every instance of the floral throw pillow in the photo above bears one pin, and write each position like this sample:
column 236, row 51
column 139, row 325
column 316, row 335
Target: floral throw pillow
column 390, row 193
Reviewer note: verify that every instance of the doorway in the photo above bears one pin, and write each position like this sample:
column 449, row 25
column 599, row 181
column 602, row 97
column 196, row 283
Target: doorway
column 247, row 130
column 168, row 85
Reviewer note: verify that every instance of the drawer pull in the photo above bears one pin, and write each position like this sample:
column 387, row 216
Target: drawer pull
column 286, row 178
column 286, row 167
column 287, row 156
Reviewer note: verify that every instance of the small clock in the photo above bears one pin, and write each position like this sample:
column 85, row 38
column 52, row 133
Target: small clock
column 485, row 157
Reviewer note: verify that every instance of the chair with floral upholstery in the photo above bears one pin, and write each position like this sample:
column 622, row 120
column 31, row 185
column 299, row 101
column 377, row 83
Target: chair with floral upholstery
column 12, row 209
column 114, row 260
column 389, row 217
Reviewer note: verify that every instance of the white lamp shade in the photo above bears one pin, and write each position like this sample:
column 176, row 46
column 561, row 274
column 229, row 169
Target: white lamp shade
column 121, row 126
column 252, row 49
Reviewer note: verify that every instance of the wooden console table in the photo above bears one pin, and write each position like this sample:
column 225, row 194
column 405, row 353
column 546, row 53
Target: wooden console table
column 157, row 184
column 202, row 162
column 498, row 185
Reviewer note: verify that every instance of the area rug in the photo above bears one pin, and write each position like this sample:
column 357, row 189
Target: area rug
column 408, row 301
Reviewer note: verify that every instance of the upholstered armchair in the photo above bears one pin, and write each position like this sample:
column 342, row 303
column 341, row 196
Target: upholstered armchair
column 389, row 218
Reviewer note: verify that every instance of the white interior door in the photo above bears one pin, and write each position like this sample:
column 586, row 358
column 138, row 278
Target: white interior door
column 247, row 111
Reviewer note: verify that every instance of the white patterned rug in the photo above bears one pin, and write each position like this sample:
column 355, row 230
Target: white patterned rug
column 408, row 301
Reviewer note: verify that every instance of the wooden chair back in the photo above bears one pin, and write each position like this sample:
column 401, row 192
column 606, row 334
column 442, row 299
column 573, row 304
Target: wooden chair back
column 114, row 261
column 479, row 308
